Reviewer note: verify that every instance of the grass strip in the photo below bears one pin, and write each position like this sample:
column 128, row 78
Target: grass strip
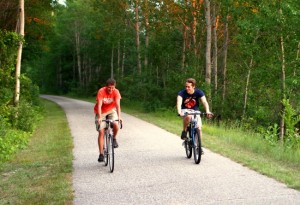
column 42, row 172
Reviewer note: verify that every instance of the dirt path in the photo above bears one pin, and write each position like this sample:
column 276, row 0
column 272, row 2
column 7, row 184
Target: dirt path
column 151, row 168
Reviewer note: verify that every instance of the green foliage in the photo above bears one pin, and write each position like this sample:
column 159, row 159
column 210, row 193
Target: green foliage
column 25, row 116
column 16, row 123
column 12, row 141
column 271, row 135
column 291, row 134
column 9, row 42
column 291, row 119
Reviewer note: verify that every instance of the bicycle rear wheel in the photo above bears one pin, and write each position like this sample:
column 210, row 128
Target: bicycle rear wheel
column 197, row 146
column 111, row 154
column 188, row 147
column 106, row 148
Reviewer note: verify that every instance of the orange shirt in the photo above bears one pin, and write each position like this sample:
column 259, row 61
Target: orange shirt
column 108, row 100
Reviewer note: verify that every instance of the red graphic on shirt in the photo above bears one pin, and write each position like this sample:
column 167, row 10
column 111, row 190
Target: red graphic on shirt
column 189, row 103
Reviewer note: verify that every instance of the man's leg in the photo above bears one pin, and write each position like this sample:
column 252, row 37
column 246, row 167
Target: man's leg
column 200, row 130
column 115, row 131
column 186, row 121
column 100, row 145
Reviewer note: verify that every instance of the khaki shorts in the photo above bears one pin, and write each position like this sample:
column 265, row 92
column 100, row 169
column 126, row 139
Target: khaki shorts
column 111, row 115
column 198, row 117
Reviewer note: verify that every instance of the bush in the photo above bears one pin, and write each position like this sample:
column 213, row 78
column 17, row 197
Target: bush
column 12, row 141
column 25, row 116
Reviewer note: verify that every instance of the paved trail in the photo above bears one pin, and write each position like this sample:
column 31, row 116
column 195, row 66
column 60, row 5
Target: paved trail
column 151, row 168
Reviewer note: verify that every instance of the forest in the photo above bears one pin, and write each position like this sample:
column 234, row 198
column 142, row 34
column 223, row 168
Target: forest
column 244, row 55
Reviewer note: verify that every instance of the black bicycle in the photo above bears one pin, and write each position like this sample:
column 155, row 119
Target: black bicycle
column 109, row 154
column 193, row 141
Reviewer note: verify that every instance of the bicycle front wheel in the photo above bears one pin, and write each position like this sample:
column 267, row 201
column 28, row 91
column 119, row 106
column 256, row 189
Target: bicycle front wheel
column 111, row 154
column 188, row 147
column 197, row 146
column 106, row 148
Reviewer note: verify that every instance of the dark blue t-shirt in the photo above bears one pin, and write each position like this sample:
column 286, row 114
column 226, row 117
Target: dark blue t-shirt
column 191, row 101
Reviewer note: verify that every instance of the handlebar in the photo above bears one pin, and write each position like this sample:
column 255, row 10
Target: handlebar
column 197, row 113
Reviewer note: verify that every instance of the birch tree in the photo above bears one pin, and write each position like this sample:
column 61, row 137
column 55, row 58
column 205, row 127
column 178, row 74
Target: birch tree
column 19, row 56
column 282, row 82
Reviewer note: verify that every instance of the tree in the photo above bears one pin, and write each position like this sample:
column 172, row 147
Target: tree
column 19, row 57
column 208, row 47
column 137, row 37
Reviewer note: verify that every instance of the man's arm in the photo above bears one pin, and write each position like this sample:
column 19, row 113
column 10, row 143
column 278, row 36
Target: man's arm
column 206, row 105
column 179, row 103
column 99, row 110
column 118, row 108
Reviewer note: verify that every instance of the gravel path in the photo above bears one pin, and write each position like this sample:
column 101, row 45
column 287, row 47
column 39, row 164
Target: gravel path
column 151, row 168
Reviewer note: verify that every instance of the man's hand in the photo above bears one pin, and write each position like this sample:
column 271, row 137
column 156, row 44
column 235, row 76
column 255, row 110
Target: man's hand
column 99, row 120
column 181, row 114
column 209, row 115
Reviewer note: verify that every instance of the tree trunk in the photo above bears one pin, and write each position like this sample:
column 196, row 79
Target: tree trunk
column 208, row 48
column 90, row 71
column 137, row 30
column 297, row 57
column 194, row 26
column 146, row 34
column 282, row 132
column 247, row 87
column 112, row 63
column 184, row 40
column 59, row 74
column 225, row 47
column 119, row 58
column 77, row 45
column 19, row 55
column 123, row 60
column 215, row 49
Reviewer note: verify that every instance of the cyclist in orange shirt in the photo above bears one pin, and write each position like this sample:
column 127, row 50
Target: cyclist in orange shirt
column 107, row 107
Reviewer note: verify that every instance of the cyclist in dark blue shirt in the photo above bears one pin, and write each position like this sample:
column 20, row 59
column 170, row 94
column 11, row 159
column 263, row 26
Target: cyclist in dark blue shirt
column 187, row 100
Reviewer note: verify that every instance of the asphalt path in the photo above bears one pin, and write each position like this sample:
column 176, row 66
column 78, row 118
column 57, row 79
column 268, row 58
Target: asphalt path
column 151, row 168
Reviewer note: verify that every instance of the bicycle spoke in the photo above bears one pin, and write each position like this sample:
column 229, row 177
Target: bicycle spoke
column 197, row 147
column 111, row 154
column 106, row 148
column 188, row 147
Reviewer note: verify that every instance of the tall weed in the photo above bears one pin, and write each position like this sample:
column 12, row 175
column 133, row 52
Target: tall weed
column 291, row 119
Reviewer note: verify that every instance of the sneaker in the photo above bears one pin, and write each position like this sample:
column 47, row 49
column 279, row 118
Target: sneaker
column 183, row 135
column 101, row 158
column 202, row 152
column 115, row 143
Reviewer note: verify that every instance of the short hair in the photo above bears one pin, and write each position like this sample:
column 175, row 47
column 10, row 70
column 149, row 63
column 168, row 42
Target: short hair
column 110, row 81
column 191, row 80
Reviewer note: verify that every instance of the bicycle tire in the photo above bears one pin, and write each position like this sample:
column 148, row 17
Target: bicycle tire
column 111, row 154
column 106, row 148
column 188, row 147
column 197, row 146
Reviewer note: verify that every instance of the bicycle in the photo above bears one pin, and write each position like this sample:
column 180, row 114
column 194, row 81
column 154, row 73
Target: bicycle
column 109, row 155
column 193, row 141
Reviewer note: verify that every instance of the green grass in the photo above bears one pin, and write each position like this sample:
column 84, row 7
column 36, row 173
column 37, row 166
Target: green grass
column 41, row 173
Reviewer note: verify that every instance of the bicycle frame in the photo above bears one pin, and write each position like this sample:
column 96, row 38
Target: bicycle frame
column 108, row 144
column 193, row 145
column 191, row 127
